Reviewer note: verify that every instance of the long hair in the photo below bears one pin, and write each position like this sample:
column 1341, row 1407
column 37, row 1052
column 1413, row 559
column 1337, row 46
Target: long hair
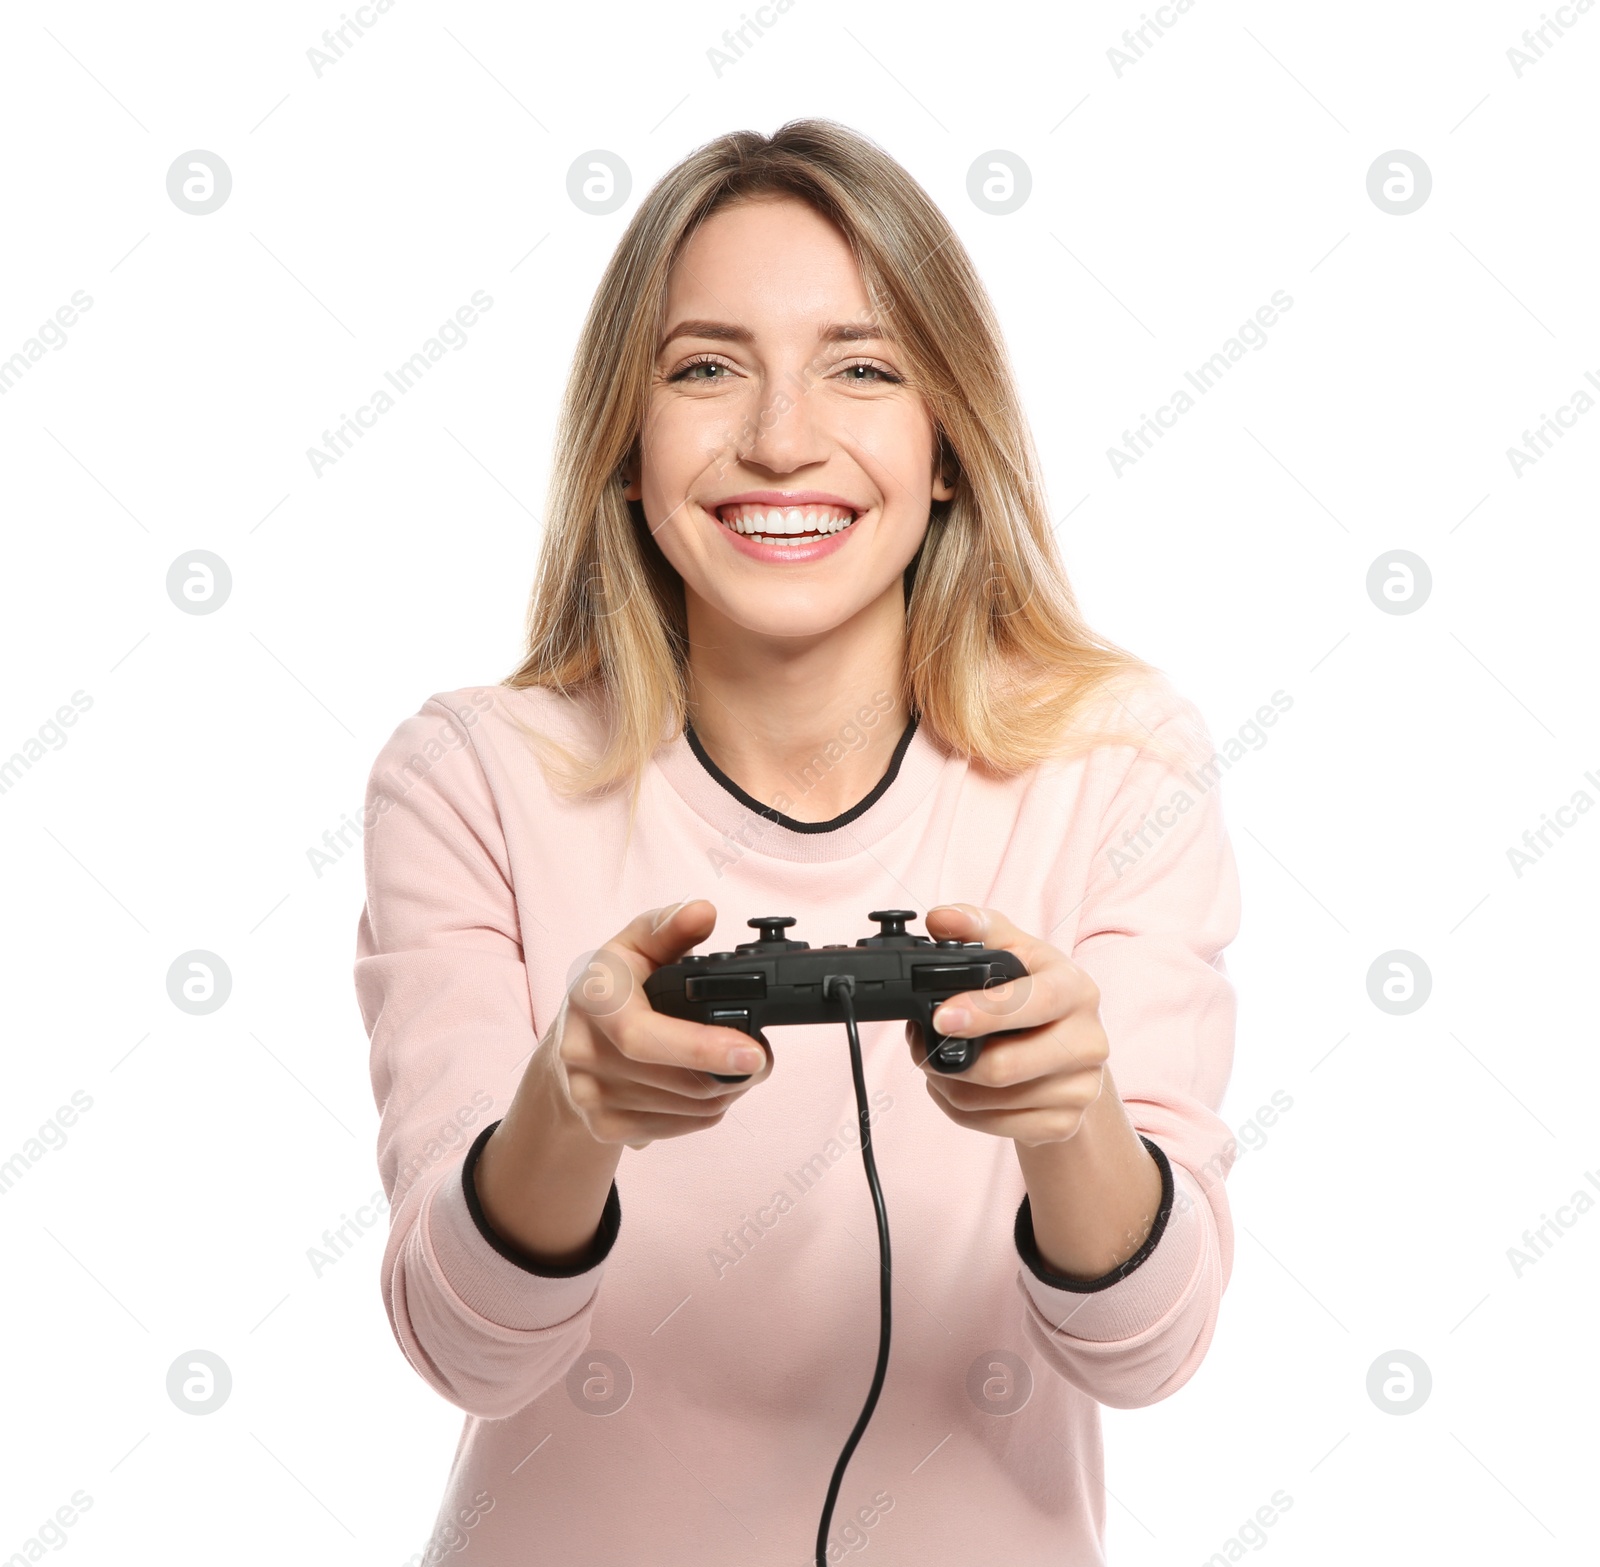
column 999, row 663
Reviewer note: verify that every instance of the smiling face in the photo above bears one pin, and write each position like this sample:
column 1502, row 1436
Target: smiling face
column 787, row 469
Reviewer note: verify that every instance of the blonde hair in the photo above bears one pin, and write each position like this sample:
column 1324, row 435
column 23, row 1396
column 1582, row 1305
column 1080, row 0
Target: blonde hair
column 999, row 663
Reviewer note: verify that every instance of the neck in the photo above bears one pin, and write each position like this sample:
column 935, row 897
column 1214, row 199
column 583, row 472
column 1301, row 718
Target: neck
column 813, row 719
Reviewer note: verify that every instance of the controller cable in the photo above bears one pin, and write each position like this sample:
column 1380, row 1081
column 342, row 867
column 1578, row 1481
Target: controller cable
column 842, row 987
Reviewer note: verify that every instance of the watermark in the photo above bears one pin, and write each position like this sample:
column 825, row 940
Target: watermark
column 598, row 182
column 1399, row 982
column 1250, row 336
column 1540, row 1241
column 732, row 847
column 1399, row 1382
column 1135, row 43
column 998, row 182
column 599, row 1382
column 449, row 1137
column 450, row 736
column 1252, row 1533
column 1538, row 441
column 852, row 1537
column 53, row 1531
column 51, row 335
column 1137, row 841
column 199, row 582
column 999, row 1382
column 450, row 1534
column 198, row 182
column 740, row 1242
column 198, row 982
column 335, row 42
column 1536, row 40
column 1536, row 840
column 339, row 1242
column 337, row 443
column 1251, row 1137
column 199, row 1382
column 1399, row 582
column 51, row 1135
column 737, row 41
column 50, row 736
column 1398, row 182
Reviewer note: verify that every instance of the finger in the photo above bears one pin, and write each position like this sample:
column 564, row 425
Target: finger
column 643, row 1035
column 1054, row 1048
column 1053, row 987
column 663, row 935
column 1025, row 1126
column 1074, row 1091
column 637, row 1131
column 595, row 1096
column 970, row 922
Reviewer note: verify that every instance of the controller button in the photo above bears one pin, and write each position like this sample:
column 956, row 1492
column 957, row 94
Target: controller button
column 718, row 957
column 835, row 946
column 725, row 987
column 949, row 976
column 731, row 1017
column 951, row 942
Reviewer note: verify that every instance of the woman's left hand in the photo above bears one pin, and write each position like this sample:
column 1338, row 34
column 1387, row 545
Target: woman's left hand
column 1035, row 1086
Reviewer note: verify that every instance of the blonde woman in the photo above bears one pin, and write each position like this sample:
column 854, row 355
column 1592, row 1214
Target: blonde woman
column 802, row 644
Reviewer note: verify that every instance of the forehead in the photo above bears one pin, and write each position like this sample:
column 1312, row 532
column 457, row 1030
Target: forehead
column 775, row 265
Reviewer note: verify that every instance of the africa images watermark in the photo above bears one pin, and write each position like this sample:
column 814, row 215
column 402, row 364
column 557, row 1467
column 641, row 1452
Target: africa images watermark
column 1137, row 442
column 1536, row 840
column 1536, row 39
column 50, row 737
column 1537, row 441
column 733, row 845
column 336, row 39
column 336, row 443
column 1153, row 825
column 338, row 841
column 52, row 334
column 738, row 41
column 741, row 1241
column 1538, row 1243
column 1135, row 43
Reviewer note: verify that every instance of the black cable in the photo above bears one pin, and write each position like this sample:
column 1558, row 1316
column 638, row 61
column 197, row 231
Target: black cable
column 841, row 987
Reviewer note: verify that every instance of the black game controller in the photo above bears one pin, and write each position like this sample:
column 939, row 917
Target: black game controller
column 890, row 975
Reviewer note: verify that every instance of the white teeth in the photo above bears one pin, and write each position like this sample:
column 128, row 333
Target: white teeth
column 787, row 525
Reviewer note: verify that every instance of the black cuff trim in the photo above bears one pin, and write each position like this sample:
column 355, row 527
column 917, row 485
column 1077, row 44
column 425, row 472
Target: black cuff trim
column 599, row 1249
column 1028, row 1250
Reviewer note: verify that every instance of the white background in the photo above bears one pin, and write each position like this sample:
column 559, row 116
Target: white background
column 1168, row 203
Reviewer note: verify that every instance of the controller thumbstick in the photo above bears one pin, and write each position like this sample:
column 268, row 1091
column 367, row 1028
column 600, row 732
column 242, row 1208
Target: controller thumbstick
column 892, row 922
column 772, row 926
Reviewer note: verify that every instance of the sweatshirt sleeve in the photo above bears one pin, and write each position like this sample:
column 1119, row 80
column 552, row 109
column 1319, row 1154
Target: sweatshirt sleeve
column 443, row 991
column 1161, row 902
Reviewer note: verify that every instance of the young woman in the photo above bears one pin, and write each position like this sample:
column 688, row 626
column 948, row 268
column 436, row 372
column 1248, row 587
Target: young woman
column 801, row 644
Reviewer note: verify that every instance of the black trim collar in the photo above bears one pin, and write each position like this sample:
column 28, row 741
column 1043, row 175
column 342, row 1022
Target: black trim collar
column 776, row 816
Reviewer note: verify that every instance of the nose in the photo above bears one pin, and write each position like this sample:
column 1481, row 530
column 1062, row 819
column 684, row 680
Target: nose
column 786, row 432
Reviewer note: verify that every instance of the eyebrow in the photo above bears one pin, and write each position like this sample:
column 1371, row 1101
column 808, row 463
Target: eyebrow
column 731, row 332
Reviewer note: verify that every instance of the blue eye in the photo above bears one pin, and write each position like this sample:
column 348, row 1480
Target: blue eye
column 888, row 378
column 698, row 364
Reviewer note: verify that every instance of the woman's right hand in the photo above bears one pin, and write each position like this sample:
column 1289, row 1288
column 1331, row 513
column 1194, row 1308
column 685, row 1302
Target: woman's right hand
column 610, row 1072
column 631, row 1074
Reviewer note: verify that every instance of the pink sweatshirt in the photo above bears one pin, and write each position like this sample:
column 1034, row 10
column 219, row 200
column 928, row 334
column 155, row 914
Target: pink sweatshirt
column 683, row 1395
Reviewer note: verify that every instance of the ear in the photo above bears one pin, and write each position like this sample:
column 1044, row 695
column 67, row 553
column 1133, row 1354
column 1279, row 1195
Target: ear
column 628, row 476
